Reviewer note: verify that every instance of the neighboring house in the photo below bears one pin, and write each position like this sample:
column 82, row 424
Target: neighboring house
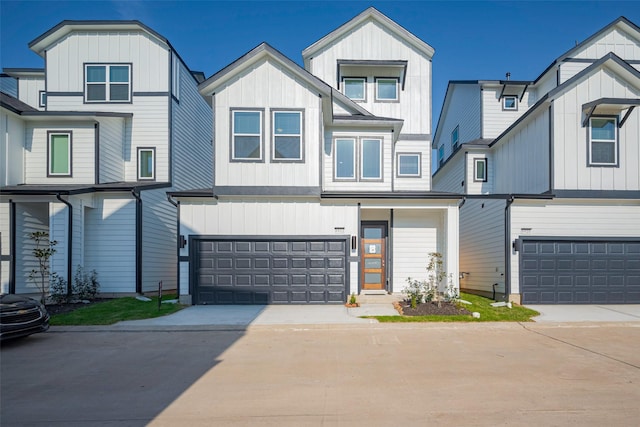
column 550, row 169
column 90, row 146
column 322, row 183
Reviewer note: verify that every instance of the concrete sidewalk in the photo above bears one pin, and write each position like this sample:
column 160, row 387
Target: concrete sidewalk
column 587, row 313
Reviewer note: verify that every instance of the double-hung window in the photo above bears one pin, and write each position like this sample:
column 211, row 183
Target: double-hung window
column 246, row 143
column 455, row 139
column 146, row 164
column 371, row 159
column 59, row 153
column 345, row 158
column 480, row 170
column 603, row 141
column 287, row 135
column 355, row 88
column 510, row 103
column 409, row 165
column 107, row 83
column 386, row 89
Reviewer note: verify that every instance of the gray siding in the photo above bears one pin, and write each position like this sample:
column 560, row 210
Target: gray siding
column 159, row 257
column 30, row 217
column 112, row 140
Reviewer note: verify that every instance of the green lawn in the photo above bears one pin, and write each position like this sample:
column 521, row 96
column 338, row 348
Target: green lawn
column 481, row 305
column 116, row 310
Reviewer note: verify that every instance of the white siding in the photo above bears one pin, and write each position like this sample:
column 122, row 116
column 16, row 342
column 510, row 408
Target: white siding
column 29, row 90
column 571, row 218
column 521, row 160
column 112, row 139
column 479, row 187
column 30, row 217
column 267, row 85
column 110, row 243
column 413, row 184
column 12, row 139
column 546, row 83
column 615, row 40
column 192, row 133
column 494, row 119
column 570, row 69
column 159, row 258
column 371, row 41
column 5, row 250
column 330, row 184
column 82, row 152
column 571, row 170
column 451, row 176
column 482, row 245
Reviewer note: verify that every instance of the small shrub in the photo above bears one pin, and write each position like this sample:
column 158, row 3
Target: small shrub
column 85, row 287
column 414, row 291
column 352, row 299
column 451, row 293
column 58, row 289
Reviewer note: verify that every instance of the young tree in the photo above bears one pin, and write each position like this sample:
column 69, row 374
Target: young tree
column 42, row 252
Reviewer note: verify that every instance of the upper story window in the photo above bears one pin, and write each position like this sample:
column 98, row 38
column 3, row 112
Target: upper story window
column 455, row 138
column 345, row 159
column 246, row 140
column 355, row 88
column 287, row 135
column 441, row 155
column 371, row 159
column 409, row 165
column 386, row 89
column 42, row 98
column 59, row 153
column 175, row 77
column 510, row 103
column 146, row 163
column 107, row 83
column 603, row 141
column 480, row 170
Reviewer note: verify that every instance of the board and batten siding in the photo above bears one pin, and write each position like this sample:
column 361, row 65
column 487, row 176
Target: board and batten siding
column 359, row 184
column 12, row 139
column 192, row 136
column 29, row 91
column 422, row 183
column 571, row 140
column 30, row 217
column 462, row 111
column 494, row 119
column 267, row 86
column 82, row 152
column 371, row 41
column 112, row 139
column 159, row 257
column 479, row 187
column 615, row 40
column 571, row 218
column 451, row 176
column 110, row 242
column 482, row 245
column 521, row 159
column 66, row 58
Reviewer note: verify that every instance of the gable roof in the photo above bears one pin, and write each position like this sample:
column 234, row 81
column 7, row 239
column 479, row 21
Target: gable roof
column 371, row 14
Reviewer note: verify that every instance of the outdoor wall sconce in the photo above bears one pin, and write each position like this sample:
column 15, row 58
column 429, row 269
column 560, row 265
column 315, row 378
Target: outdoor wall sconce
column 182, row 241
column 462, row 273
column 354, row 241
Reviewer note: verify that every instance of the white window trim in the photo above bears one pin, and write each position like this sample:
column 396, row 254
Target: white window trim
column 153, row 167
column 69, row 151
column 613, row 141
column 335, row 160
column 409, row 175
column 107, row 84
column 378, row 79
column 42, row 98
column 376, row 178
column 364, row 88
column 299, row 135
column 475, row 169
column 515, row 103
column 234, row 134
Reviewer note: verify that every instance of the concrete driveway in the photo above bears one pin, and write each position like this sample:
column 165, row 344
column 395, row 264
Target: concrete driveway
column 587, row 313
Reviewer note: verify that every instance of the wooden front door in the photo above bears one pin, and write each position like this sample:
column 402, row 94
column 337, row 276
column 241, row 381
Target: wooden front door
column 373, row 244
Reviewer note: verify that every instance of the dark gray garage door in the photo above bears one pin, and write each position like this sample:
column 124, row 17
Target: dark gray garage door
column 269, row 270
column 580, row 272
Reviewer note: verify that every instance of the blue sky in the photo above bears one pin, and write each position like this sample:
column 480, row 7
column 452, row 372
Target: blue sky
column 473, row 40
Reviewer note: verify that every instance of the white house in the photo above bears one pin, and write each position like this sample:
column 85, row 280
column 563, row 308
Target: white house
column 322, row 183
column 91, row 143
column 550, row 170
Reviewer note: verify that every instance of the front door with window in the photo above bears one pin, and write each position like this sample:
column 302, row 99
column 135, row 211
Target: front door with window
column 373, row 244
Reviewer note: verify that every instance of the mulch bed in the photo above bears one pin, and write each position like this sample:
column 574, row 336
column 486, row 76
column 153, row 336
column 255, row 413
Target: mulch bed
column 430, row 308
column 70, row 306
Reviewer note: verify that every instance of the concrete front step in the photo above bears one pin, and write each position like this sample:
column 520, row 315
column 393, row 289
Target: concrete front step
column 379, row 298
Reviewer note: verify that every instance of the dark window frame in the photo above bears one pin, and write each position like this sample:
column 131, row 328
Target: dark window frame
column 399, row 174
column 475, row 169
column 232, row 134
column 107, row 83
column 154, row 174
column 615, row 142
column 51, row 133
column 272, row 114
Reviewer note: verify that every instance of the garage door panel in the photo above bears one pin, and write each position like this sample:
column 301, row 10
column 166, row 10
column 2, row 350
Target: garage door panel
column 580, row 272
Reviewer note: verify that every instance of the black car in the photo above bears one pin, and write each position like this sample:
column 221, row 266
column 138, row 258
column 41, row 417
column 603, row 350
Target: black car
column 21, row 316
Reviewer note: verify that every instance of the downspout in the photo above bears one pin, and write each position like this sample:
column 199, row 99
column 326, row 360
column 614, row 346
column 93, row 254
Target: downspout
column 177, row 206
column 136, row 195
column 69, row 243
column 464, row 200
column 12, row 247
column 507, row 248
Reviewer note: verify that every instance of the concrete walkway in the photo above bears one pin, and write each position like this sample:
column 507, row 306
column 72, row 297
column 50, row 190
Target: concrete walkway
column 587, row 313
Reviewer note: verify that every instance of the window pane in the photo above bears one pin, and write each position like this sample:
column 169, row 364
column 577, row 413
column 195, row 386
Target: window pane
column 604, row 129
column 480, row 170
column 59, row 154
column 387, row 89
column 409, row 165
column 373, row 263
column 287, row 147
column 119, row 92
column 454, row 135
column 345, row 159
column 603, row 152
column 96, row 92
column 119, row 74
column 372, row 278
column 247, row 122
column 354, row 88
column 509, row 103
column 146, row 164
column 246, row 147
column 371, row 158
column 372, row 233
column 287, row 123
column 96, row 74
